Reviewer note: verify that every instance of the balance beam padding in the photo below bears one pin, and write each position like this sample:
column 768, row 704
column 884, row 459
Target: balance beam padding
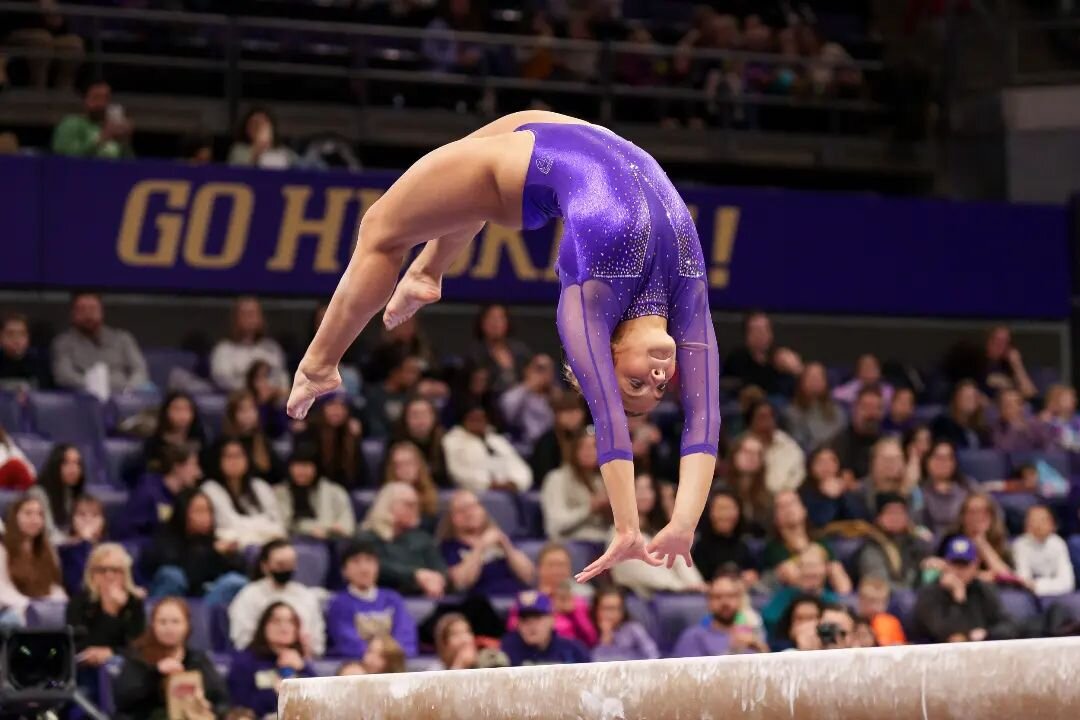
column 1001, row 680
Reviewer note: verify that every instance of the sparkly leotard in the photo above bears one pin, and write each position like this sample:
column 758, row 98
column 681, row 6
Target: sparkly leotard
column 629, row 248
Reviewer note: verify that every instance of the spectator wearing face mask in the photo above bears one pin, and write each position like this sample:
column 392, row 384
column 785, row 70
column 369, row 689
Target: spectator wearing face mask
column 959, row 607
column 853, row 443
column 90, row 344
column 20, row 366
column 274, row 584
column 526, row 407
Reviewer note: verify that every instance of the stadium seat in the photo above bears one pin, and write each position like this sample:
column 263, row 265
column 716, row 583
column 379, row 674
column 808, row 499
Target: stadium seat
column 36, row 449
column 925, row 414
column 106, row 674
column 128, row 405
column 11, row 413
column 582, row 553
column 162, row 361
column 212, row 410
column 419, row 608
column 532, row 547
column 71, row 418
column 361, row 500
column 983, row 465
column 644, row 613
column 846, row 550
column 902, row 605
column 7, row 497
column 114, row 502
column 1058, row 459
column 220, row 641
column 122, row 457
column 1019, row 604
column 1070, row 603
column 502, row 508
column 531, row 513
column 1015, row 507
column 1074, row 552
column 312, row 562
column 674, row 613
column 423, row 663
column 326, row 667
column 46, row 613
column 373, row 454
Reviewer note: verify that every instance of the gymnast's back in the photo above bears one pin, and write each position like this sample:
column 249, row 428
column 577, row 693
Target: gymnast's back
column 629, row 248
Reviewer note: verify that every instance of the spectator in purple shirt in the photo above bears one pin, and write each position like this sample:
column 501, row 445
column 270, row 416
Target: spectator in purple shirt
column 867, row 373
column 1014, row 431
column 480, row 556
column 152, row 501
column 274, row 655
column 526, row 407
column 620, row 637
column 727, row 633
column 534, row 642
column 363, row 610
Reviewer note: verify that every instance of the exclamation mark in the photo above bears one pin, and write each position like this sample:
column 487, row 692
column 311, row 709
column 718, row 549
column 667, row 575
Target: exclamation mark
column 726, row 225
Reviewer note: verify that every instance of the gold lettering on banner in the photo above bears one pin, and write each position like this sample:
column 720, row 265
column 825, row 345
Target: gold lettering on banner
column 198, row 229
column 168, row 224
column 725, row 228
column 327, row 229
column 494, row 240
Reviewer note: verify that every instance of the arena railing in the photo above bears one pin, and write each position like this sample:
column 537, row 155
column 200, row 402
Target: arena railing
column 236, row 48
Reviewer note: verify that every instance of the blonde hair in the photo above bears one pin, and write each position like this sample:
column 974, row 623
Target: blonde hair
column 425, row 486
column 392, row 653
column 815, row 550
column 96, row 556
column 380, row 518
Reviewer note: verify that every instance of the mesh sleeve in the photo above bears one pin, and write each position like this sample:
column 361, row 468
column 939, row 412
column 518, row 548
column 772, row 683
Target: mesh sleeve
column 698, row 363
column 587, row 316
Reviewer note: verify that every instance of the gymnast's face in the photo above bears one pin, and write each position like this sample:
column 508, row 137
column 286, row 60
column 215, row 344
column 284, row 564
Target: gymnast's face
column 644, row 358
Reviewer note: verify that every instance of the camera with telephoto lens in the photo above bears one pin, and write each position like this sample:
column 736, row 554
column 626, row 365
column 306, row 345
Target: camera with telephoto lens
column 829, row 634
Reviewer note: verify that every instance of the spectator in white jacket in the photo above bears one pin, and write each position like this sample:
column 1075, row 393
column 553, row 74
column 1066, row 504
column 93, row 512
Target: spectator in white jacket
column 1042, row 557
column 480, row 459
column 29, row 567
column 245, row 507
column 274, row 583
column 785, row 461
column 247, row 342
column 312, row 505
column 526, row 407
column 573, row 498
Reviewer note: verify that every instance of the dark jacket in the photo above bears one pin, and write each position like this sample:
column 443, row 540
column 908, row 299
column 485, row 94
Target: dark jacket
column 95, row 627
column 139, row 690
column 874, row 559
column 938, row 615
column 400, row 558
column 194, row 554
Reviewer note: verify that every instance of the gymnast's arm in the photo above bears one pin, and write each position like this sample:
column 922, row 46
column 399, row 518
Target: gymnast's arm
column 698, row 362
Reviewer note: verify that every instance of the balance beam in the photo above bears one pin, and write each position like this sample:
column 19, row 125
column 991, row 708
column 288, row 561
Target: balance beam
column 1012, row 679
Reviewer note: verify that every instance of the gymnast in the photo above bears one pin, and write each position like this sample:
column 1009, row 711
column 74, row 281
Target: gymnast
column 634, row 304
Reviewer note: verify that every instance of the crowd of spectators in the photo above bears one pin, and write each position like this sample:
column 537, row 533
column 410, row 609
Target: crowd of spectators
column 215, row 512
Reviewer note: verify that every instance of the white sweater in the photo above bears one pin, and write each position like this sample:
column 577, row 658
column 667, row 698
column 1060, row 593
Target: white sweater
column 1047, row 563
column 246, row 529
column 785, row 463
column 566, row 505
column 230, row 360
column 644, row 580
column 475, row 463
column 249, row 603
column 331, row 504
column 11, row 598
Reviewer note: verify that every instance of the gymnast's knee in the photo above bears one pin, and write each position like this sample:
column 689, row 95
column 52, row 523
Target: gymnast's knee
column 375, row 233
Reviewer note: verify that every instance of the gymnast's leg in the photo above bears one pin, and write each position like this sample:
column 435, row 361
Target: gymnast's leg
column 451, row 189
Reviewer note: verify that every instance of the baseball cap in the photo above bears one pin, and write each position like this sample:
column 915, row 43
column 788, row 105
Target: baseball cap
column 960, row 549
column 533, row 602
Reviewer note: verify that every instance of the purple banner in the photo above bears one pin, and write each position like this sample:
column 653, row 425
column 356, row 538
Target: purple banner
column 152, row 226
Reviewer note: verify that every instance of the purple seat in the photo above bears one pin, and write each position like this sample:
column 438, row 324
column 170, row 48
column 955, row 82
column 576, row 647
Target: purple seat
column 222, row 662
column 925, row 414
column 326, row 667
column 122, row 456
column 212, row 410
column 582, row 553
column 1015, row 507
column 983, row 465
column 7, row 497
column 846, row 550
column 419, row 608
column 374, row 449
column 531, row 514
column 199, row 638
column 902, row 605
column 107, row 674
column 11, row 413
column 68, row 417
column 642, row 612
column 502, row 508
column 128, row 405
column 423, row 663
column 1019, row 604
column 220, row 640
column 312, row 562
column 1074, row 552
column 532, row 547
column 1070, row 603
column 1059, row 459
column 675, row 613
column 502, row 605
column 114, row 502
column 46, row 613
column 36, row 448
column 756, row 546
column 162, row 361
column 361, row 500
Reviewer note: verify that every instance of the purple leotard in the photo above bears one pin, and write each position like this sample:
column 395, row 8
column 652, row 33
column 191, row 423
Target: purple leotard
column 629, row 248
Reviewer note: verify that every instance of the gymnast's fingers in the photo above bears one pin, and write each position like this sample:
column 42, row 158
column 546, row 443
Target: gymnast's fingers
column 654, row 560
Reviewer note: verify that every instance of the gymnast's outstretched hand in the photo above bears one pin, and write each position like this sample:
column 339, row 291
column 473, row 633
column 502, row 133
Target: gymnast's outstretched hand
column 628, row 545
column 672, row 543
column 308, row 384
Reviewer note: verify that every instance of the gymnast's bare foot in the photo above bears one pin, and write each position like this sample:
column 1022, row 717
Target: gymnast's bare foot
column 413, row 291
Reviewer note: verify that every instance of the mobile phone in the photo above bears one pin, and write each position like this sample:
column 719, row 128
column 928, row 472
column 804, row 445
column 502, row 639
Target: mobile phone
column 115, row 113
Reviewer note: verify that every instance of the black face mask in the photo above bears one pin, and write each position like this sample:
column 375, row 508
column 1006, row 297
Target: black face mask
column 282, row 577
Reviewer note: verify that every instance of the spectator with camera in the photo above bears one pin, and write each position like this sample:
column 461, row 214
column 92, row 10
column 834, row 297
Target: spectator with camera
column 101, row 130
column 834, row 631
column 959, row 606
column 728, row 630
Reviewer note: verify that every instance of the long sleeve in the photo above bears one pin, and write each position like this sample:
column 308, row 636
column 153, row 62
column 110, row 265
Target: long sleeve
column 135, row 689
column 404, row 629
column 336, row 507
column 467, row 467
column 66, row 373
column 933, row 618
column 226, row 366
column 562, row 516
column 587, row 316
column 138, row 374
column 75, row 136
column 10, row 596
column 698, row 360
column 514, row 468
column 1062, row 580
column 512, row 404
column 244, row 613
column 345, row 640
